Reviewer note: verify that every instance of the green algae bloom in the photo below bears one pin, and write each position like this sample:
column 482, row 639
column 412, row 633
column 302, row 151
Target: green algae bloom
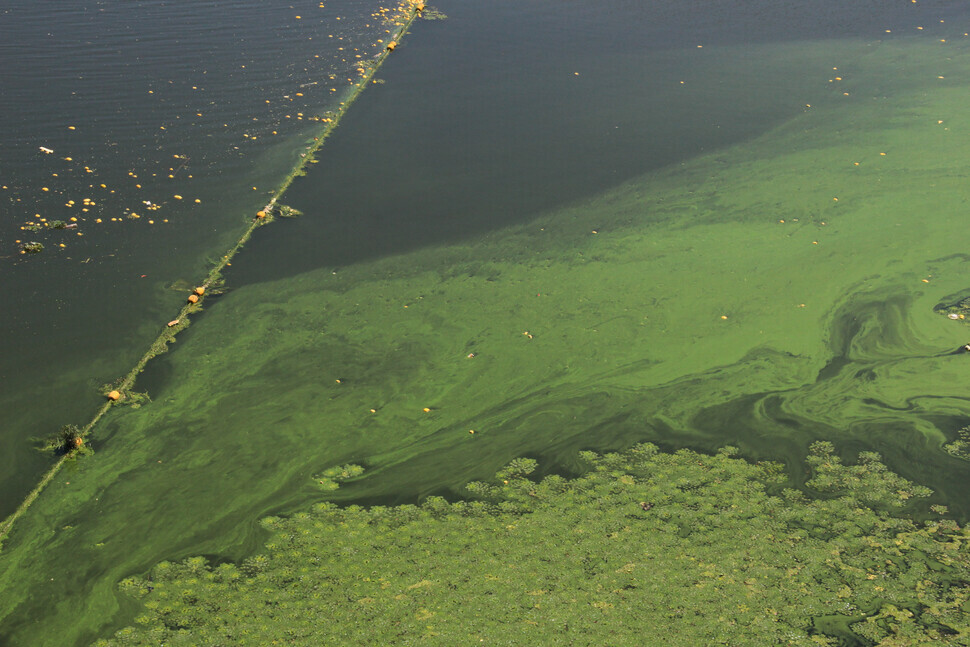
column 646, row 548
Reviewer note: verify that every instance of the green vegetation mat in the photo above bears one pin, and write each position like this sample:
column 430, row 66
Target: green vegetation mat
column 646, row 549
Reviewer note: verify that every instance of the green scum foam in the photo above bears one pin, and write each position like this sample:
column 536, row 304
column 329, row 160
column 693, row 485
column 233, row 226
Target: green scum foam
column 766, row 296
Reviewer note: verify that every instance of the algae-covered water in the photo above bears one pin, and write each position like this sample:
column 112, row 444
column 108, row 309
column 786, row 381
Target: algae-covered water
column 555, row 227
column 159, row 128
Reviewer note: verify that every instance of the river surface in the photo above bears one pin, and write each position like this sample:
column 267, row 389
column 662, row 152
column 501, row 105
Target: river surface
column 558, row 225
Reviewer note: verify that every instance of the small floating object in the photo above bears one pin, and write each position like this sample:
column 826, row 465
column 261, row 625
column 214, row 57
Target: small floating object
column 114, row 395
column 419, row 6
column 260, row 215
column 953, row 315
column 193, row 298
column 391, row 45
column 173, row 322
column 199, row 290
column 45, row 150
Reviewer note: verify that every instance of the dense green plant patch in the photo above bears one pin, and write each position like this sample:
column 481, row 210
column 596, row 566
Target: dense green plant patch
column 645, row 549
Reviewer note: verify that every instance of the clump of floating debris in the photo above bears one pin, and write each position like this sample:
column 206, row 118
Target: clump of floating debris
column 958, row 311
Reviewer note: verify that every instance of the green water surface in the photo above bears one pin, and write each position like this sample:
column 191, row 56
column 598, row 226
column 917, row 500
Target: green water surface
column 765, row 294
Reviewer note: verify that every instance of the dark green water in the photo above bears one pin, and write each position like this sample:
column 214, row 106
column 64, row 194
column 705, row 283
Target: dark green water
column 637, row 238
column 127, row 94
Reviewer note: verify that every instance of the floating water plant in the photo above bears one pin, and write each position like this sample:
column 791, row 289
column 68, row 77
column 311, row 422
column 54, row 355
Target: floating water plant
column 960, row 446
column 286, row 211
column 333, row 476
column 689, row 545
column 32, row 247
column 67, row 441
column 432, row 14
column 958, row 310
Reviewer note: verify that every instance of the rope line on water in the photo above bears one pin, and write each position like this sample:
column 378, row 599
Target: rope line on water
column 410, row 10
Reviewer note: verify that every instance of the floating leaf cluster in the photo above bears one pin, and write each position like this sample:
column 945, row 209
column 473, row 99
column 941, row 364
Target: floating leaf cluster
column 646, row 548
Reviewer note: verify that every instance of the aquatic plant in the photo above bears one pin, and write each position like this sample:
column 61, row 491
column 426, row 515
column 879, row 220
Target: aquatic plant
column 67, row 441
column 430, row 13
column 32, row 247
column 959, row 446
column 286, row 211
column 957, row 310
column 331, row 478
column 645, row 548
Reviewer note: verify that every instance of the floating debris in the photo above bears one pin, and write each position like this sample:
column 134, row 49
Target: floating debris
column 956, row 311
column 287, row 211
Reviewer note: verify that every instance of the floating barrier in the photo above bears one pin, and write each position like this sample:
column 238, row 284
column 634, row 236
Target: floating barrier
column 410, row 10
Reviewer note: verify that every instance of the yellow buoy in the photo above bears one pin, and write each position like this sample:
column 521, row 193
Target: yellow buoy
column 200, row 290
column 114, row 395
column 193, row 298
column 391, row 45
column 260, row 214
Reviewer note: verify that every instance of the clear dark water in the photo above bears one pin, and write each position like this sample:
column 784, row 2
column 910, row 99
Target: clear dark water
column 467, row 187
